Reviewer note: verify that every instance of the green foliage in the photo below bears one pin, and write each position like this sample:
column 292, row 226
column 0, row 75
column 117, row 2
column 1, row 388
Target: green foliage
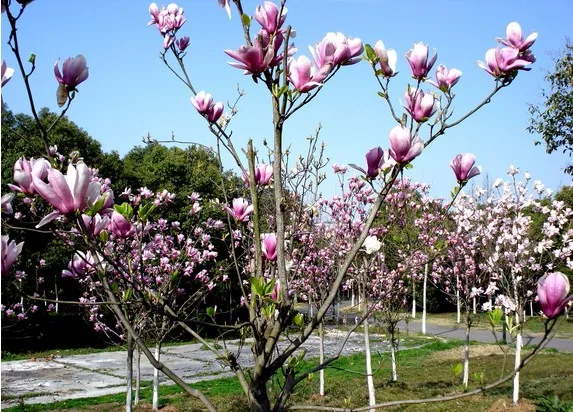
column 553, row 120
column 553, row 404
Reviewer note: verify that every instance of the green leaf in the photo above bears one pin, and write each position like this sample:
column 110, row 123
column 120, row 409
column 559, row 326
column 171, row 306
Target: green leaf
column 495, row 316
column 32, row 58
column 258, row 286
column 269, row 310
column 145, row 210
column 125, row 210
column 382, row 95
column 457, row 369
column 210, row 312
column 127, row 295
column 409, row 166
column 103, row 236
column 371, row 55
column 246, row 20
column 298, row 320
column 269, row 287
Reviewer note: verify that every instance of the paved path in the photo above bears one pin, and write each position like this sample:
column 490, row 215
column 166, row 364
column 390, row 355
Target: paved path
column 79, row 376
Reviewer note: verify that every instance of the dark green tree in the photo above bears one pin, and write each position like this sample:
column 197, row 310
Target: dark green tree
column 553, row 119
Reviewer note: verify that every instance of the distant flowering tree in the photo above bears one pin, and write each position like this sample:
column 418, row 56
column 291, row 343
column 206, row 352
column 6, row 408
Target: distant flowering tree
column 126, row 254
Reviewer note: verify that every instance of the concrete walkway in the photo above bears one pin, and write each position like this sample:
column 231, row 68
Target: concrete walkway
column 80, row 376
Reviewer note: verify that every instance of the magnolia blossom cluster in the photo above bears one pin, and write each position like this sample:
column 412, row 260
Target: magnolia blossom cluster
column 492, row 254
column 168, row 21
column 334, row 50
column 315, row 254
column 78, row 191
column 266, row 49
column 205, row 105
column 512, row 55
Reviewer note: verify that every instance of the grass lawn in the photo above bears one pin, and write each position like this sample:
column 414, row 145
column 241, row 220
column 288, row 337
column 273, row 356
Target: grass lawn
column 533, row 325
column 422, row 372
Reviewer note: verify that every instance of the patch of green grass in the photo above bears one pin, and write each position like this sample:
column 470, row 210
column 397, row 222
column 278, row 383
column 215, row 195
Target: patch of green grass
column 533, row 325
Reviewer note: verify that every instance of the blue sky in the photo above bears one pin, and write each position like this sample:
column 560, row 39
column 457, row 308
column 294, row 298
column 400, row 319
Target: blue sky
column 130, row 92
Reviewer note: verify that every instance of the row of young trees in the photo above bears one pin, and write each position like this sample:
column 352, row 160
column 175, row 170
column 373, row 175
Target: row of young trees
column 275, row 239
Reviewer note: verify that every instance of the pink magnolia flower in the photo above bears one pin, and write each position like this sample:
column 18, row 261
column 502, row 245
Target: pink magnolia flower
column 120, row 226
column 515, row 38
column 241, row 209
column 94, row 225
column 204, row 104
column 80, row 264
column 74, row 71
column 10, row 253
column 269, row 246
column 263, row 174
column 387, row 59
column 168, row 40
column 336, row 49
column 339, row 168
column 552, row 290
column 418, row 59
column 276, row 293
column 225, row 4
column 446, row 79
column 167, row 20
column 501, row 62
column 182, row 43
column 463, row 167
column 273, row 43
column 402, row 147
column 268, row 16
column 421, row 106
column 7, row 72
column 7, row 203
column 374, row 160
column 252, row 59
column 68, row 193
column 23, row 172
column 303, row 75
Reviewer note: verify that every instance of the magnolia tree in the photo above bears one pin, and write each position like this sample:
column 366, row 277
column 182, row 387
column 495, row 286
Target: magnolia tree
column 491, row 253
column 127, row 254
column 518, row 261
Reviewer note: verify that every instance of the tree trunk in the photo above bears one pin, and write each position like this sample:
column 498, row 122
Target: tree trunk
column 321, row 358
column 518, row 344
column 259, row 397
column 413, row 299
column 156, row 379
column 137, row 377
column 467, row 350
column 458, row 304
column 393, row 350
column 424, row 292
column 352, row 296
column 531, row 308
column 369, row 377
column 129, row 391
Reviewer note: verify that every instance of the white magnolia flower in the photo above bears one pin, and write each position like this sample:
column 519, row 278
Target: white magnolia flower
column 372, row 244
